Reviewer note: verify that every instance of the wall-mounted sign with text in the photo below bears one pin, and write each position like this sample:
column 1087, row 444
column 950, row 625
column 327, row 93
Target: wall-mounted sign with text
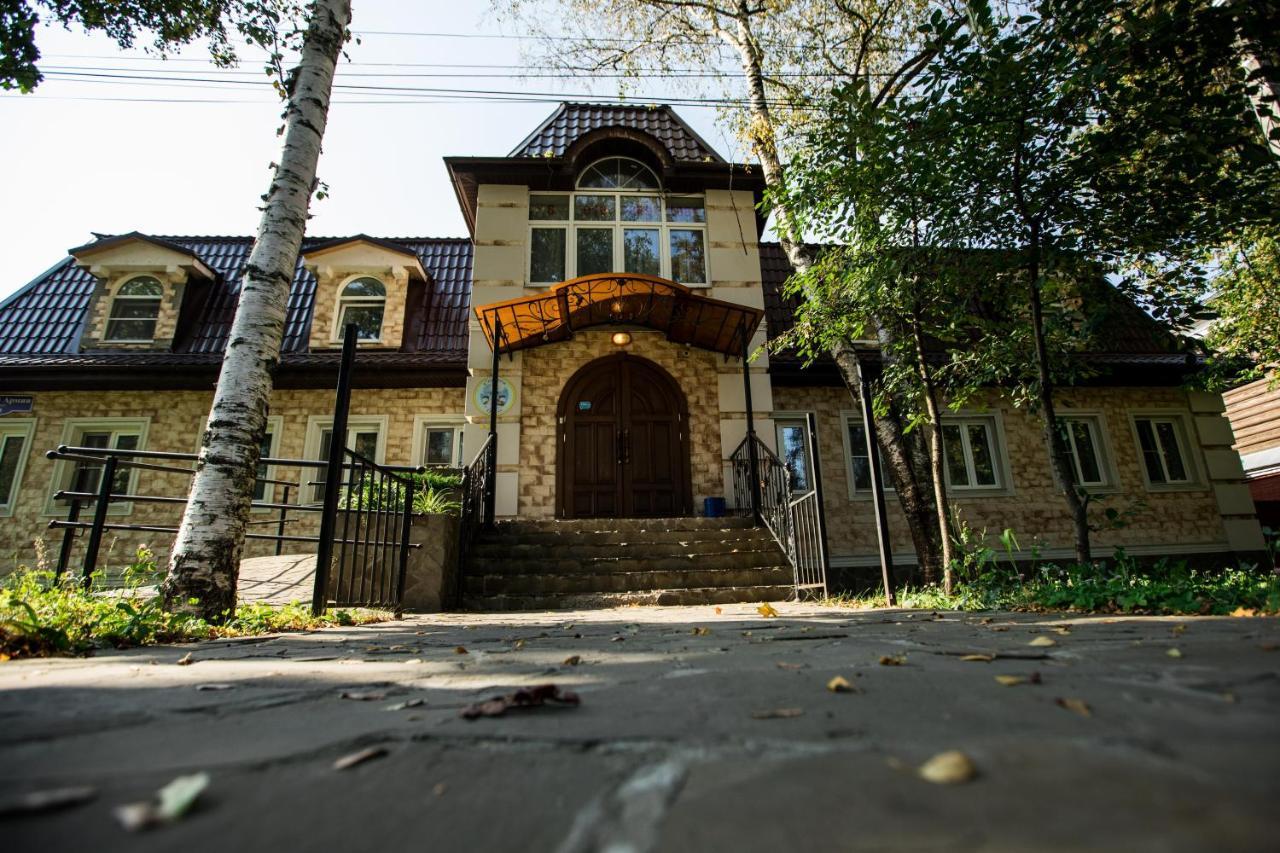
column 10, row 404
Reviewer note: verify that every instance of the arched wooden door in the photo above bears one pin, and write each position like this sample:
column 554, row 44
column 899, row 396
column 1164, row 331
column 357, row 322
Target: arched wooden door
column 623, row 442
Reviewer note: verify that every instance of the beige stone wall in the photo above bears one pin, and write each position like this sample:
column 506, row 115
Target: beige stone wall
column 1193, row 519
column 547, row 369
column 174, row 420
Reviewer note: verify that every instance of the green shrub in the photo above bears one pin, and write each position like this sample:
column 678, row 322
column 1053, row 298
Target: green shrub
column 41, row 613
column 433, row 494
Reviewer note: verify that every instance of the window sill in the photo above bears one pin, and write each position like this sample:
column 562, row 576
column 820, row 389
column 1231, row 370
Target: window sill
column 1158, row 488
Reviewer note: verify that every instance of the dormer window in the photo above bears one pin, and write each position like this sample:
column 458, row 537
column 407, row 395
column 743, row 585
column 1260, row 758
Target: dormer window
column 135, row 310
column 618, row 221
column 363, row 301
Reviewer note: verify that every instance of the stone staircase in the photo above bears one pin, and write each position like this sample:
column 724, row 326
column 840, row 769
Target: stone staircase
column 538, row 565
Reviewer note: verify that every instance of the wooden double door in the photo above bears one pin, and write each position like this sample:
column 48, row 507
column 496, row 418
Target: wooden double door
column 623, row 442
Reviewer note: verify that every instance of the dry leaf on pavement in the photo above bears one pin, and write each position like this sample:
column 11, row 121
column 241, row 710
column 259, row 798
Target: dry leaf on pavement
column 893, row 660
column 460, row 650
column 1078, row 706
column 839, row 684
column 363, row 695
column 1043, row 642
column 185, row 660
column 524, row 698
column 948, row 768
column 978, row 658
column 204, row 687
column 367, row 754
column 573, row 660
column 1173, row 653
column 777, row 714
column 35, row 802
column 766, row 610
column 699, row 631
column 171, row 803
column 1015, row 680
column 784, row 665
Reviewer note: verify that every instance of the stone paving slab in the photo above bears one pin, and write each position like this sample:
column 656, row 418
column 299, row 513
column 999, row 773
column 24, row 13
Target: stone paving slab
column 666, row 751
column 277, row 580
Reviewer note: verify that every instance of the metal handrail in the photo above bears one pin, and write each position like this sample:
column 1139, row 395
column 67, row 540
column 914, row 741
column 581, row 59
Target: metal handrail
column 475, row 478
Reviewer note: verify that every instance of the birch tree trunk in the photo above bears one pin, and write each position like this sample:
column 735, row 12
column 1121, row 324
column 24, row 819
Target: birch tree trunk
column 205, row 562
column 919, row 510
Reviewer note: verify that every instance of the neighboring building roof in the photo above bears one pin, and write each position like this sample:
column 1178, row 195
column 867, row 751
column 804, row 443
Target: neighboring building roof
column 47, row 316
column 571, row 120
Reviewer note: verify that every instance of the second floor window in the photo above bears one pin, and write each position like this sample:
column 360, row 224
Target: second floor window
column 362, row 302
column 617, row 221
column 135, row 310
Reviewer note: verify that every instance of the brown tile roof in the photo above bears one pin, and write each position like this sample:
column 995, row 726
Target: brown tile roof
column 571, row 120
column 47, row 316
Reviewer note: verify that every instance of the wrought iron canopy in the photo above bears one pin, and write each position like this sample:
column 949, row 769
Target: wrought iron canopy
column 683, row 315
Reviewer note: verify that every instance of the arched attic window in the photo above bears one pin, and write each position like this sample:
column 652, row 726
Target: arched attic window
column 135, row 309
column 362, row 301
column 617, row 221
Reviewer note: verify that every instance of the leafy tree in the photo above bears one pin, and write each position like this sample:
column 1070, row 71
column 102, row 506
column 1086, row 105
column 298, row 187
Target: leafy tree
column 1247, row 302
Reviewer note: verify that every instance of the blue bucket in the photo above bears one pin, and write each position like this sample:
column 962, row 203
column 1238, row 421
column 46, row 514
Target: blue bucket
column 713, row 507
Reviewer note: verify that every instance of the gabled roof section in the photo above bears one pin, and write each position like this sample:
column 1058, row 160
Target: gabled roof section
column 84, row 254
column 46, row 316
column 389, row 245
column 570, row 121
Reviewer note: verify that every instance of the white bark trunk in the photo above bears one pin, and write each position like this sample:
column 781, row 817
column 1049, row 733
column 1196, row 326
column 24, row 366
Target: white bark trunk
column 206, row 554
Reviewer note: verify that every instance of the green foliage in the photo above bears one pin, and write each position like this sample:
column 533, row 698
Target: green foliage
column 41, row 614
column 1247, row 301
column 434, row 494
column 171, row 23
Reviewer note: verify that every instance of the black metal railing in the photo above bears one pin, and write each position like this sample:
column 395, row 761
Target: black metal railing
column 476, row 482
column 797, row 520
column 371, row 513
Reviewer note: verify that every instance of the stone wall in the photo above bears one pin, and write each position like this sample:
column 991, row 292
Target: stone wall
column 547, row 369
column 173, row 422
column 1197, row 519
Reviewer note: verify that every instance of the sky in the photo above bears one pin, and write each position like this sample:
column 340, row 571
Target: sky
column 94, row 149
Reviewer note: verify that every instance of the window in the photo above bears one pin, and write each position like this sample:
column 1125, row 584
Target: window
column 15, row 441
column 970, row 453
column 83, row 476
column 362, row 302
column 1162, row 445
column 617, row 222
column 270, row 441
column 1083, row 438
column 364, row 437
column 793, row 449
column 135, row 310
column 858, row 464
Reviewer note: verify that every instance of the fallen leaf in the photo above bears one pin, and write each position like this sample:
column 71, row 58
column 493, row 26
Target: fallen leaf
column 460, row 650
column 777, row 714
column 185, row 660
column 839, row 684
column 986, row 620
column 1062, row 631
column 1078, row 706
column 978, row 658
column 49, row 800
column 766, row 610
column 524, row 698
column 1173, row 653
column 1178, row 629
column 363, row 695
column 519, row 644
column 215, row 687
column 408, row 703
column 948, row 768
column 1011, row 680
column 618, row 639
column 171, row 803
column 1000, row 628
column 414, row 660
column 573, row 660
column 893, row 660
column 700, row 632
column 719, row 611
column 1043, row 642
column 1244, row 611
column 367, row 754
column 785, row 665
column 438, row 789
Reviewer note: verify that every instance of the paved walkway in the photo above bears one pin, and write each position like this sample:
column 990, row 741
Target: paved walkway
column 697, row 731
column 277, row 580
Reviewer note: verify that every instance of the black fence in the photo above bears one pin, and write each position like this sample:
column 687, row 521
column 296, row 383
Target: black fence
column 797, row 520
column 476, row 487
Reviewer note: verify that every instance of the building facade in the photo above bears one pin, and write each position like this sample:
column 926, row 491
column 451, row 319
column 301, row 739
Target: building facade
column 619, row 239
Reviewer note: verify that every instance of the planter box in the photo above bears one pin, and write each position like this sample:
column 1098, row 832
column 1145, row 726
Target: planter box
column 432, row 571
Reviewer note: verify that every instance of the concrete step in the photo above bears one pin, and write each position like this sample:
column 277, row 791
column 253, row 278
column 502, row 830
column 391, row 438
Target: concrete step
column 686, row 596
column 619, row 525
column 573, row 547
column 575, row 583
column 630, row 559
column 666, row 536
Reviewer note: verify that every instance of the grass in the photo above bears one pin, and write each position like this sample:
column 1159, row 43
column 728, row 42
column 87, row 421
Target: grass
column 42, row 614
column 1119, row 585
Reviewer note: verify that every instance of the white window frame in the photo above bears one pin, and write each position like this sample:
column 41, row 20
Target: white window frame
column 118, row 297
column 275, row 426
column 26, row 428
column 999, row 455
column 1097, row 424
column 570, row 227
column 791, row 418
column 342, row 303
column 73, row 430
column 316, row 424
column 1188, row 447
column 851, row 417
column 423, row 423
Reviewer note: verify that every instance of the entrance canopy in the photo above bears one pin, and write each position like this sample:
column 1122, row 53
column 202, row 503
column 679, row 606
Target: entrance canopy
column 683, row 315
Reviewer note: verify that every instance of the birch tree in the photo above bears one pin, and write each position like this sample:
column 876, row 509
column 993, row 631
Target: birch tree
column 768, row 58
column 206, row 554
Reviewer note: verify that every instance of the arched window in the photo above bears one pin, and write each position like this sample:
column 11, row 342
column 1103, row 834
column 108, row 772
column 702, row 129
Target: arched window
column 617, row 221
column 618, row 173
column 363, row 302
column 135, row 310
